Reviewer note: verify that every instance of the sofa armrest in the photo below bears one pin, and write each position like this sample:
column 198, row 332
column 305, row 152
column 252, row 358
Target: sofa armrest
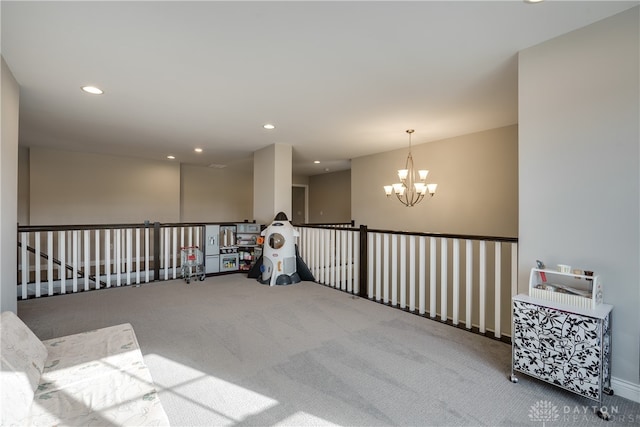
column 23, row 358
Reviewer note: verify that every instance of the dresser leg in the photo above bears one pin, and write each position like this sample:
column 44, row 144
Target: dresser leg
column 602, row 413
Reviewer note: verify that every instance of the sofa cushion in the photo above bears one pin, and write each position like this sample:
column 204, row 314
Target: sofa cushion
column 23, row 357
column 96, row 378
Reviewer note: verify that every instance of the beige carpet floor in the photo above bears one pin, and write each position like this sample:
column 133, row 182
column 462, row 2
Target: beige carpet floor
column 229, row 351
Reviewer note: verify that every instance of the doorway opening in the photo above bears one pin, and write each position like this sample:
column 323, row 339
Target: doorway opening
column 300, row 204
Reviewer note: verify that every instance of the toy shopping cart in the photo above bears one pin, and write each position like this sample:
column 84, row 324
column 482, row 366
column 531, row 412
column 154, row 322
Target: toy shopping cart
column 192, row 265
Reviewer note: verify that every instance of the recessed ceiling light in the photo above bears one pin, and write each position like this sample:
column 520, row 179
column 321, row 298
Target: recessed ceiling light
column 92, row 90
column 170, row 157
column 269, row 126
column 316, row 161
column 533, row 1
column 198, row 150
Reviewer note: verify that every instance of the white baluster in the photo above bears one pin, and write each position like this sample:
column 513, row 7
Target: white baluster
column 97, row 259
column 394, row 270
column 137, row 255
column 37, row 262
column 336, row 256
column 107, row 257
column 74, row 255
column 456, row 282
column 87, row 259
column 167, row 246
column 117, row 260
column 349, row 261
column 318, row 256
column 325, row 239
column 370, row 264
column 25, row 264
column 62, row 272
column 412, row 273
column 341, row 259
column 422, row 296
column 443, row 279
column 332, row 247
column 403, row 271
column 432, row 278
column 50, row 261
column 174, row 252
column 147, row 255
column 385, row 269
column 356, row 263
column 129, row 236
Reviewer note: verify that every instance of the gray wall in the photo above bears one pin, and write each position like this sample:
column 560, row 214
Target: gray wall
column 579, row 167
column 10, row 100
column 330, row 197
column 477, row 177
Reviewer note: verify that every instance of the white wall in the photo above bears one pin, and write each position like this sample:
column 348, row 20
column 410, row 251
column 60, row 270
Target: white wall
column 477, row 177
column 10, row 100
column 579, row 167
column 67, row 187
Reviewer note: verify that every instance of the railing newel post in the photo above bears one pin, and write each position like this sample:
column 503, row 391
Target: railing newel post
column 364, row 277
column 156, row 251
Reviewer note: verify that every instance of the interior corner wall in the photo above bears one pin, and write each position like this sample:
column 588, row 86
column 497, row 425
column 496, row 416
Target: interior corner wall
column 216, row 195
column 579, row 161
column 9, row 106
column 85, row 188
column 23, row 185
column 477, row 177
column 330, row 197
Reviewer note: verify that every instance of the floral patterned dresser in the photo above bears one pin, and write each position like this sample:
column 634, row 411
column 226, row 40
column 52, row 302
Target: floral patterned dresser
column 563, row 345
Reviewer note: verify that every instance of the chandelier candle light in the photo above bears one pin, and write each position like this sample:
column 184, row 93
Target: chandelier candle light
column 410, row 191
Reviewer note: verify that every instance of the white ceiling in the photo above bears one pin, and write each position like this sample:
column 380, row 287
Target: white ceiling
column 338, row 79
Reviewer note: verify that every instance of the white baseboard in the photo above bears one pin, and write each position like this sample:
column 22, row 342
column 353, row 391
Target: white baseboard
column 626, row 389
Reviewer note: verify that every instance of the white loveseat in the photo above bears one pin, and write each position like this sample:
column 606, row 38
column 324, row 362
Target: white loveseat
column 94, row 378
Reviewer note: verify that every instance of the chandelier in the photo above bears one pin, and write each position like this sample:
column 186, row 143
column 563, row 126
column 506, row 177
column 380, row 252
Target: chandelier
column 411, row 189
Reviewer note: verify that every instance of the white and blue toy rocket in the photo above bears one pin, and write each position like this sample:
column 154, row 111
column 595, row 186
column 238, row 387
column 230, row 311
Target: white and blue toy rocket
column 281, row 264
